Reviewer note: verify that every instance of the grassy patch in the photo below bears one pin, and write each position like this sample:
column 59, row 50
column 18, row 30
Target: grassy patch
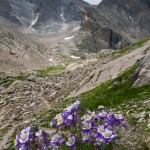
column 5, row 82
column 3, row 132
column 112, row 96
column 133, row 46
column 50, row 70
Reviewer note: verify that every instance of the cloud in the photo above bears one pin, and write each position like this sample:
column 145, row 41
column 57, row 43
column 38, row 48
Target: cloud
column 94, row 2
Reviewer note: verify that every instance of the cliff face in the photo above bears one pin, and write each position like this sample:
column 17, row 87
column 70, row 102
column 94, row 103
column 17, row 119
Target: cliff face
column 114, row 24
column 19, row 13
column 6, row 12
column 74, row 10
column 41, row 14
column 48, row 10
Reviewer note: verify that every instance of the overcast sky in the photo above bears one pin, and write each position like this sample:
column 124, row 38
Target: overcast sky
column 95, row 2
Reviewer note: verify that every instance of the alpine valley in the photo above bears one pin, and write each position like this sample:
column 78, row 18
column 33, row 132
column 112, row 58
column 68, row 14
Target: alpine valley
column 53, row 52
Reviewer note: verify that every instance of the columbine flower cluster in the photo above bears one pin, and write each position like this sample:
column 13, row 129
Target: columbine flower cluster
column 69, row 117
column 98, row 129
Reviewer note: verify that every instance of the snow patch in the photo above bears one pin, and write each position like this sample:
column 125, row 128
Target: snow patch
column 62, row 17
column 69, row 38
column 75, row 57
column 34, row 21
column 130, row 16
column 50, row 59
column 76, row 28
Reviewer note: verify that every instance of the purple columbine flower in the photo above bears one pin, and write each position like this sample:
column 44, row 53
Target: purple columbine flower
column 86, row 137
column 104, row 135
column 70, row 120
column 54, row 122
column 108, row 135
column 87, row 118
column 101, row 129
column 58, row 121
column 102, row 115
column 72, row 107
column 87, row 127
column 99, row 141
column 120, row 119
column 69, row 109
column 42, row 140
column 71, row 142
column 116, row 120
column 56, row 141
column 16, row 141
column 23, row 139
column 76, row 105
column 26, row 131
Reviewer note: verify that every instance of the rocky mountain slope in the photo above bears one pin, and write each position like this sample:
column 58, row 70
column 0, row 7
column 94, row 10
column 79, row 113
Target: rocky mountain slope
column 25, row 99
column 38, row 91
column 39, row 74
column 19, row 53
column 114, row 24
column 41, row 15
column 19, row 13
column 111, row 70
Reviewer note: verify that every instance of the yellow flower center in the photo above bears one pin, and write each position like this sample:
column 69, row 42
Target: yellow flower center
column 102, row 130
column 86, row 126
column 86, row 136
column 15, row 140
column 117, row 116
column 24, row 137
column 70, row 141
column 60, row 120
column 88, row 117
column 55, row 138
column 107, row 133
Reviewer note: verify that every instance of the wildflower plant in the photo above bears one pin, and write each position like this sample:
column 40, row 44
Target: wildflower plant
column 97, row 129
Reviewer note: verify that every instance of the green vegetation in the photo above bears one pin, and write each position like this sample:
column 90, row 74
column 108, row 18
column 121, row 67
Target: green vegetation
column 3, row 132
column 107, row 94
column 50, row 70
column 5, row 82
column 115, row 92
column 133, row 46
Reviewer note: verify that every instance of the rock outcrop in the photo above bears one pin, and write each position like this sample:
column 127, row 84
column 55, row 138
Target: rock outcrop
column 113, row 68
column 142, row 75
column 114, row 24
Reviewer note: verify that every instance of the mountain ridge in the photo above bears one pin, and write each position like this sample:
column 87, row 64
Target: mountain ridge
column 114, row 24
